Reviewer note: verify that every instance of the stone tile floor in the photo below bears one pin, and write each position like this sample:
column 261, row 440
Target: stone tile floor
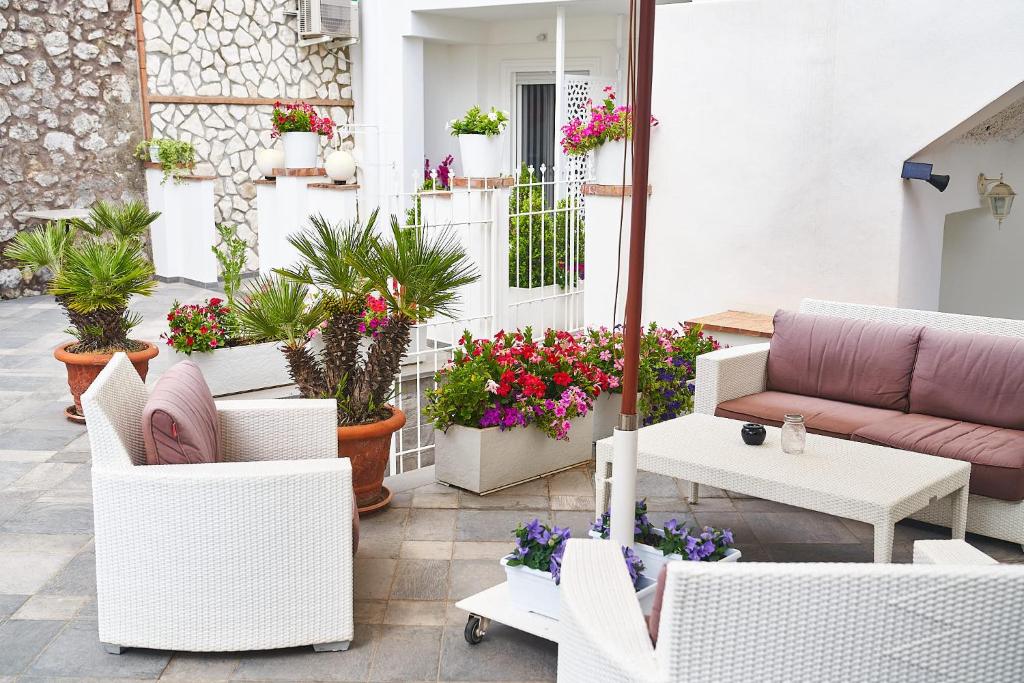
column 433, row 547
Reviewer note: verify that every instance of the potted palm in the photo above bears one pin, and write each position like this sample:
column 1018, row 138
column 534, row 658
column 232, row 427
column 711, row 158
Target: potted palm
column 362, row 294
column 98, row 264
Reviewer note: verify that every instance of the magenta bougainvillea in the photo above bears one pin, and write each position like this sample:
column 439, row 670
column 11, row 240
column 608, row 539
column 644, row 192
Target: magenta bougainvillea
column 607, row 123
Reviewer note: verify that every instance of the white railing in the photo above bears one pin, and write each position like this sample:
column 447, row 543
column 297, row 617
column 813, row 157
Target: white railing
column 526, row 241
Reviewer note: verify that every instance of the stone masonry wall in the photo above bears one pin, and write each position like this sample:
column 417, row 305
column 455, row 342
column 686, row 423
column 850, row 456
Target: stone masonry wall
column 69, row 113
column 233, row 48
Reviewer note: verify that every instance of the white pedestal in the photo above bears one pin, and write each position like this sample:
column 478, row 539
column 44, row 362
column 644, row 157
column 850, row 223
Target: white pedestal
column 282, row 209
column 336, row 203
column 185, row 231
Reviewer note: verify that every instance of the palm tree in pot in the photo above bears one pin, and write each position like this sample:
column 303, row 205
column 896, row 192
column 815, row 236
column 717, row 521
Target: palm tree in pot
column 411, row 276
column 97, row 265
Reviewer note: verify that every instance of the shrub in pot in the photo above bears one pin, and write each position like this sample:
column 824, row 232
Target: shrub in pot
column 176, row 157
column 479, row 133
column 300, row 127
column 605, row 132
column 512, row 408
column 363, row 294
column 98, row 264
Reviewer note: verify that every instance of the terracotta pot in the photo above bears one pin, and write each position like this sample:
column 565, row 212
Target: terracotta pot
column 83, row 368
column 368, row 447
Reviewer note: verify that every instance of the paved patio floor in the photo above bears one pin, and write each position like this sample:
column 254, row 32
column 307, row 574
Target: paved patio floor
column 433, row 547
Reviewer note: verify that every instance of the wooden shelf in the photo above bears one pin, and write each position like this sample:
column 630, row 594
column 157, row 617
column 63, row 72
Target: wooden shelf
column 332, row 186
column 483, row 183
column 737, row 322
column 299, row 172
column 595, row 190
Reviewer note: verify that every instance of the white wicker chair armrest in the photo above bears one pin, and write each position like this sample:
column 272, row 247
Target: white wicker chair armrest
column 237, row 545
column 949, row 552
column 604, row 636
column 729, row 373
column 276, row 429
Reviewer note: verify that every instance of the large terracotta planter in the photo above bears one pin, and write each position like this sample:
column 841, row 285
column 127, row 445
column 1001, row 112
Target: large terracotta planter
column 84, row 367
column 368, row 447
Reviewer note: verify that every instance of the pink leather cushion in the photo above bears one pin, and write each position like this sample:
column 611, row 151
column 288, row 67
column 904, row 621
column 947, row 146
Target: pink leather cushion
column 855, row 361
column 654, row 619
column 972, row 377
column 996, row 454
column 822, row 416
column 179, row 422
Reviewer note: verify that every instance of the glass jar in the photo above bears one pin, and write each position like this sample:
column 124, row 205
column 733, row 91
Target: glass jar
column 794, row 434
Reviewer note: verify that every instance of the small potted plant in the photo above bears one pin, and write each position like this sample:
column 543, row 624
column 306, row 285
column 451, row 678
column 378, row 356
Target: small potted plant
column 512, row 408
column 673, row 541
column 605, row 132
column 98, row 264
column 300, row 127
column 533, row 569
column 176, row 157
column 363, row 294
column 480, row 143
column 435, row 180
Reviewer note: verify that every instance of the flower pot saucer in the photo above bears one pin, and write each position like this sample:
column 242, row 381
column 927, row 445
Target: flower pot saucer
column 380, row 503
column 71, row 413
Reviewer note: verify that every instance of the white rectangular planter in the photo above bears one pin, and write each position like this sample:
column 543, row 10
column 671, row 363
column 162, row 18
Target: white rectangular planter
column 235, row 369
column 535, row 591
column 484, row 460
column 607, row 407
column 654, row 559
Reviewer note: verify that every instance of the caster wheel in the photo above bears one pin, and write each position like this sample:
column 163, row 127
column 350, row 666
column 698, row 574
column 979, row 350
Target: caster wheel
column 474, row 630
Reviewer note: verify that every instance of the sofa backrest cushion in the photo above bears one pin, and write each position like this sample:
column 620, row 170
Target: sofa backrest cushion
column 179, row 422
column 855, row 361
column 970, row 377
column 654, row 618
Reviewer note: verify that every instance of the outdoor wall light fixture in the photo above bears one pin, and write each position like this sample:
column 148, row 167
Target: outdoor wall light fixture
column 918, row 171
column 998, row 198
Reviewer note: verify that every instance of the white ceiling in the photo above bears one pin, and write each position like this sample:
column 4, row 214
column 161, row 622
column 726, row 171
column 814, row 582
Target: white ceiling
column 1006, row 125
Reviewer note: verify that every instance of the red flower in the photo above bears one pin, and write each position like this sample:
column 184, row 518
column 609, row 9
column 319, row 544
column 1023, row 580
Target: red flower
column 508, row 377
column 562, row 379
column 215, row 301
column 213, row 343
column 503, row 389
column 204, row 329
column 170, row 316
column 190, row 340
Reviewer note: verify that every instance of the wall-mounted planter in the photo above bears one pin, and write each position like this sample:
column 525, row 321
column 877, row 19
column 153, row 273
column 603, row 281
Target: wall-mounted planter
column 485, row 460
column 236, row 369
column 481, row 155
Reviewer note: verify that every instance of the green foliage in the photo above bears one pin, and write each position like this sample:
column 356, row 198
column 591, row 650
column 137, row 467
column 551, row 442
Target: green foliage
column 277, row 308
column 232, row 255
column 43, row 247
column 126, row 221
column 176, row 157
column 477, row 122
column 540, row 238
column 103, row 275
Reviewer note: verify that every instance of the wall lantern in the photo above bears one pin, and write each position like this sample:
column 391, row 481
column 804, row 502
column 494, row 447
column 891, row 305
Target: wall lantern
column 998, row 198
column 914, row 170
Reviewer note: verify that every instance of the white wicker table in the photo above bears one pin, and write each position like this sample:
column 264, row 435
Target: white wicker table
column 871, row 484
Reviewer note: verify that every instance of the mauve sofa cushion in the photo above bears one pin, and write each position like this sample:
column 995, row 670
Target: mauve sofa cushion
column 972, row 377
column 996, row 454
column 179, row 422
column 821, row 416
column 855, row 361
column 654, row 618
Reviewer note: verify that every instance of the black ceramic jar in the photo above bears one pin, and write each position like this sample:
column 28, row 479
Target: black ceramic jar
column 753, row 434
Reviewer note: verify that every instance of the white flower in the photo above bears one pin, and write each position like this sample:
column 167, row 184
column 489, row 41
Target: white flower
column 504, row 112
column 493, row 116
column 491, row 386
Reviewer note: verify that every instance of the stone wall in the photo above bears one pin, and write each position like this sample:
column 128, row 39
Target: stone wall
column 69, row 112
column 233, row 48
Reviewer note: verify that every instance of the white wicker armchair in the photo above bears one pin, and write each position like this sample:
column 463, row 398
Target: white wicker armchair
column 730, row 373
column 791, row 622
column 248, row 554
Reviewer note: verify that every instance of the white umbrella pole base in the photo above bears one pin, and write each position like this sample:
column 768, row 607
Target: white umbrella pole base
column 623, row 501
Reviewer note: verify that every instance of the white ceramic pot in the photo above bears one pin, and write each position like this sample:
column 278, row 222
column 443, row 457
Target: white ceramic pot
column 301, row 150
column 269, row 159
column 536, row 591
column 340, row 166
column 484, row 460
column 481, row 155
column 154, row 153
column 608, row 164
column 235, row 369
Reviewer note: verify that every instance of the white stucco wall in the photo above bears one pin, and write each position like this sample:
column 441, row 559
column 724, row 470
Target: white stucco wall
column 785, row 124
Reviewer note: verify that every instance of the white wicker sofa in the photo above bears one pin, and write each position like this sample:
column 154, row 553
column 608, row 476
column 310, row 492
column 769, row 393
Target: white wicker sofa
column 751, row 621
column 251, row 553
column 740, row 371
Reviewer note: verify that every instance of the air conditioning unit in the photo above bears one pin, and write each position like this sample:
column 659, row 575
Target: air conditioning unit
column 322, row 20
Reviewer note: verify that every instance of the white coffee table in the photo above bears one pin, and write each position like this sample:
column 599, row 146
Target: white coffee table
column 871, row 484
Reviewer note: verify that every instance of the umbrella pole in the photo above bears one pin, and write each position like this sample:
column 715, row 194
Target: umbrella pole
column 625, row 436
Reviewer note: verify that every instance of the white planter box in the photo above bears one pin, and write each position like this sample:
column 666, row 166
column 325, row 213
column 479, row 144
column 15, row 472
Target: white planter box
column 301, row 150
column 484, row 460
column 608, row 169
column 240, row 368
column 481, row 155
column 654, row 559
column 535, row 591
column 606, row 414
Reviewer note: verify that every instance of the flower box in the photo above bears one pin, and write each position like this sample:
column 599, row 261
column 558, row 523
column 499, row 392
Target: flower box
column 535, row 591
column 607, row 407
column 485, row 460
column 235, row 369
column 654, row 559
